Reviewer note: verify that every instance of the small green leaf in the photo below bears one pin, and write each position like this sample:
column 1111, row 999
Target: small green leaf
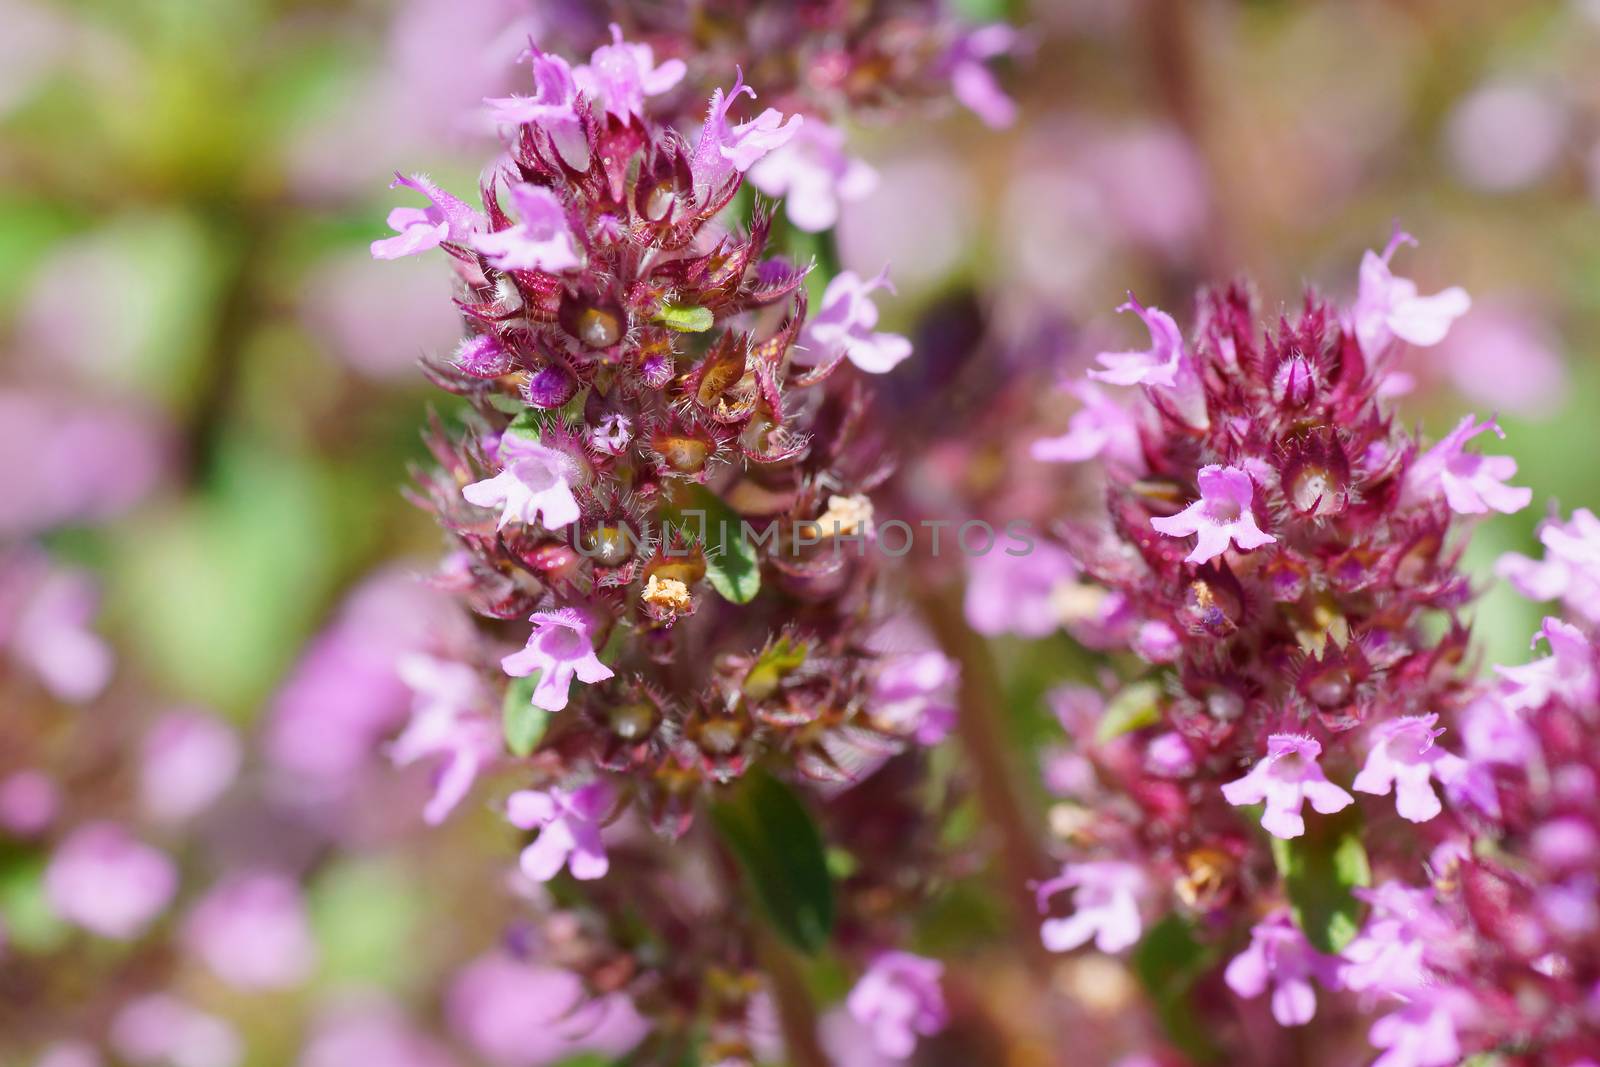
column 30, row 923
column 732, row 566
column 685, row 318
column 530, row 423
column 1137, row 706
column 781, row 852
column 522, row 721
column 778, row 660
column 1320, row 869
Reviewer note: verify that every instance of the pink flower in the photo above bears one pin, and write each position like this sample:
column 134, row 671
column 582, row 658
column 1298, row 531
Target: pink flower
column 1223, row 514
column 1157, row 365
column 1106, row 906
column 560, row 649
column 44, row 625
column 1280, row 956
column 1017, row 594
column 813, row 174
column 251, row 929
column 1389, row 954
column 374, row 1033
column 70, row 1054
column 29, row 803
column 449, row 720
column 1285, row 779
column 106, row 882
column 532, row 486
column 972, row 82
column 723, row 150
column 912, row 695
column 419, row 229
column 1471, row 484
column 541, row 240
column 553, row 107
column 515, row 1014
column 569, row 830
column 620, row 75
column 1422, row 1032
column 189, row 760
column 1568, row 673
column 158, row 1030
column 1403, row 757
column 1570, row 569
column 1100, row 428
column 846, row 323
column 898, row 999
column 1387, row 307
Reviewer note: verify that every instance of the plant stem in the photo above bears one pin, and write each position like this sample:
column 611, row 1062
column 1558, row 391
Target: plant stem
column 797, row 1012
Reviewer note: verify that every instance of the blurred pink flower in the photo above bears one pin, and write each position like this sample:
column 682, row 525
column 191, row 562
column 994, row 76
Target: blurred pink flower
column 1470, row 483
column 251, row 929
column 846, row 323
column 899, row 1000
column 814, row 174
column 1105, row 901
column 1403, row 757
column 1100, row 429
column 1506, row 135
column 105, row 881
column 1157, row 365
column 159, row 1030
column 44, row 625
column 723, row 150
column 1568, row 673
column 380, row 318
column 1570, row 569
column 620, row 75
column 29, row 803
column 1388, row 307
column 1016, row 594
column 971, row 80
column 1505, row 359
column 189, row 759
column 913, row 695
column 372, row 1033
column 515, row 1014
column 452, row 718
column 1280, row 957
column 70, row 1054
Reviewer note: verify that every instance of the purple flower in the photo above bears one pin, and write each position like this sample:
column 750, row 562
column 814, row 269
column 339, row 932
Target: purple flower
column 1388, row 307
column 723, row 150
column 813, row 174
column 620, row 75
column 1105, row 900
column 1472, row 484
column 251, row 930
column 1570, row 569
column 541, row 240
column 1421, row 1033
column 1568, row 673
column 159, row 1030
column 569, row 830
column 560, row 649
column 531, row 487
column 29, row 803
column 1403, row 757
column 911, row 695
column 44, row 625
column 1017, row 594
column 189, row 760
column 1222, row 514
column 553, row 107
column 107, row 882
column 419, row 229
column 448, row 720
column 515, row 1014
column 1100, row 428
column 611, row 434
column 1285, row 779
column 899, row 999
column 1280, row 956
column 1388, row 955
column 1157, row 365
column 972, row 82
column 1168, row 755
column 846, row 323
column 70, row 1054
column 374, row 1033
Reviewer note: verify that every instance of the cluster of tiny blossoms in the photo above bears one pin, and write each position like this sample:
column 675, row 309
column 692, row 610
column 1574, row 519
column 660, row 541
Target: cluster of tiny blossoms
column 658, row 468
column 1284, row 556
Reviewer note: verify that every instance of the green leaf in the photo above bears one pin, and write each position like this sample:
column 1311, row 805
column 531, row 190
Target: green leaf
column 732, row 566
column 685, row 318
column 30, row 923
column 1320, row 869
column 522, row 721
column 1168, row 961
column 1137, row 706
column 778, row 660
column 781, row 852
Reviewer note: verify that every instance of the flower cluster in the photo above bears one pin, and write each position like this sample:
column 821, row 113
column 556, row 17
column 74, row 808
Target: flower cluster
column 1286, row 557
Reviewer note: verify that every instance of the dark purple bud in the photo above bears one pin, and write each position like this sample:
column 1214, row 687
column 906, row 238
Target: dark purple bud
column 482, row 356
column 551, row 386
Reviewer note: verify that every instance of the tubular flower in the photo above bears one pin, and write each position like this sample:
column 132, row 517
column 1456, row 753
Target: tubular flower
column 1388, row 307
column 1285, row 779
column 1221, row 516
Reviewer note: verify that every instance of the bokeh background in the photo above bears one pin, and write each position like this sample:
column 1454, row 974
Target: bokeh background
column 209, row 392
